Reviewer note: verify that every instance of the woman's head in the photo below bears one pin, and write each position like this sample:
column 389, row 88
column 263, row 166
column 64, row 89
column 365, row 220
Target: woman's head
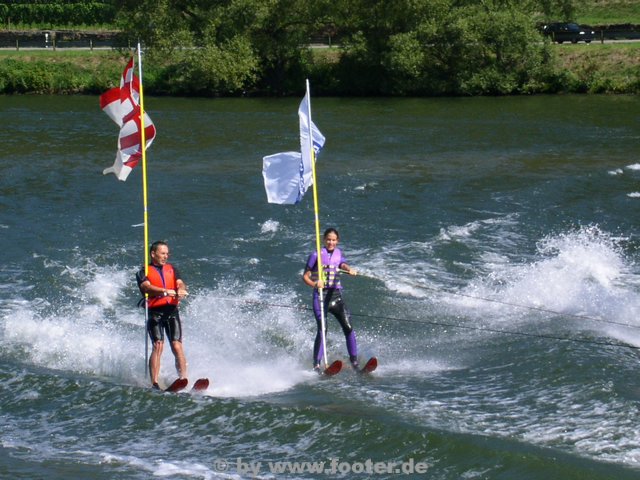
column 331, row 238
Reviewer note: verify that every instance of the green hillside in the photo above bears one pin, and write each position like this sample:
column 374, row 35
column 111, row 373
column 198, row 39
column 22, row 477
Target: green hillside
column 607, row 12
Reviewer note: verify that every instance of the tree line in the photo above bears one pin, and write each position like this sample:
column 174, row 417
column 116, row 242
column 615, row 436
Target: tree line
column 399, row 47
column 58, row 13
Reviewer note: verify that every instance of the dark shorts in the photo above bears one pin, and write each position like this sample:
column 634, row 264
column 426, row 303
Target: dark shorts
column 164, row 320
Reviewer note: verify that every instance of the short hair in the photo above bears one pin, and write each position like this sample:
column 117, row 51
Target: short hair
column 158, row 243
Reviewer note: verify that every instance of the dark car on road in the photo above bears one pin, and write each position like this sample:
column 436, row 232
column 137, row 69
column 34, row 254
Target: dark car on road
column 568, row 32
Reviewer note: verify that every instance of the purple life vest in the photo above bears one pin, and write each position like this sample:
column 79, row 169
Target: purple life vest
column 330, row 265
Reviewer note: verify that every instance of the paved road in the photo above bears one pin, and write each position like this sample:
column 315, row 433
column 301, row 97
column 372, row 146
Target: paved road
column 315, row 45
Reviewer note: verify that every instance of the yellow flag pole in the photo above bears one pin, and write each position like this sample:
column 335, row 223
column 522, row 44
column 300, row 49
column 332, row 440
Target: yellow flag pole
column 143, row 147
column 317, row 224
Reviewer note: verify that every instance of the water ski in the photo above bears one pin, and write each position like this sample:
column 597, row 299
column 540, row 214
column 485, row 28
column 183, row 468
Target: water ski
column 370, row 366
column 200, row 385
column 176, row 386
column 332, row 369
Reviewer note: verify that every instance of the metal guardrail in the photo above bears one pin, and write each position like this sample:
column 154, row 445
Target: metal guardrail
column 53, row 39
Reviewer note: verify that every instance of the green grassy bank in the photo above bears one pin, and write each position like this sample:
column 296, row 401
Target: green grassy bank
column 59, row 72
column 608, row 12
column 600, row 68
column 595, row 68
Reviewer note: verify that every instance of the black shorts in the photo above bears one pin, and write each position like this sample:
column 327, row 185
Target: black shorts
column 164, row 320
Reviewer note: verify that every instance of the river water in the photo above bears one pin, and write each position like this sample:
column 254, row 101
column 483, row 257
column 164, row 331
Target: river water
column 498, row 246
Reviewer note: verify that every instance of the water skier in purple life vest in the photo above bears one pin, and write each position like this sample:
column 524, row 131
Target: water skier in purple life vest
column 332, row 263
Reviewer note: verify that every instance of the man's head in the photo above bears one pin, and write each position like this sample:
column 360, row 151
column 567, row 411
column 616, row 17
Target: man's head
column 159, row 252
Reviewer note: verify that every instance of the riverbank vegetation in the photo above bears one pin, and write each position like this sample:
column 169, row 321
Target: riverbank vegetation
column 404, row 47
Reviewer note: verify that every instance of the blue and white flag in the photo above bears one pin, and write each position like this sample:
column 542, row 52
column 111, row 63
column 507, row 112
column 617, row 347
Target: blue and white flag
column 288, row 175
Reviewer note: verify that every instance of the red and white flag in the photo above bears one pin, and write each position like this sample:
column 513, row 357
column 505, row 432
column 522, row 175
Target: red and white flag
column 122, row 104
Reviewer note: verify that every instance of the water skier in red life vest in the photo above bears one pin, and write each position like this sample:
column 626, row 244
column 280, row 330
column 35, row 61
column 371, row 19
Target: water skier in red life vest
column 165, row 288
column 332, row 263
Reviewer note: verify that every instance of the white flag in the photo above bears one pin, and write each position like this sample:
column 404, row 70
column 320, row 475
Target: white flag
column 288, row 175
column 281, row 173
column 304, row 114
